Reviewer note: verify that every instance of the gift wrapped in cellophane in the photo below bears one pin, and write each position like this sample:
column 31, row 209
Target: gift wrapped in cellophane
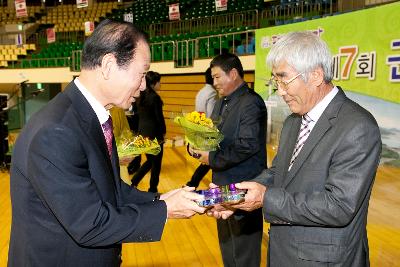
column 200, row 131
column 130, row 145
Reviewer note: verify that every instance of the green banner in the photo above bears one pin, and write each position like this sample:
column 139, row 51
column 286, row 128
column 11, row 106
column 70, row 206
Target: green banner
column 365, row 46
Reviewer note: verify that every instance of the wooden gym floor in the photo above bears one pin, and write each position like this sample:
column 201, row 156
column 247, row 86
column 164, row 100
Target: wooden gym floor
column 194, row 242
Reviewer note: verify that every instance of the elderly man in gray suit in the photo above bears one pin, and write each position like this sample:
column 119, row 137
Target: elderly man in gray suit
column 316, row 193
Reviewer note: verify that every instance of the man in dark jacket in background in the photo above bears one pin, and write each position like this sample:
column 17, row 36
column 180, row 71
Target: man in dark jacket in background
column 241, row 157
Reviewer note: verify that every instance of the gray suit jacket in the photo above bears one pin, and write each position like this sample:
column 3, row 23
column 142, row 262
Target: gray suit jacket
column 318, row 209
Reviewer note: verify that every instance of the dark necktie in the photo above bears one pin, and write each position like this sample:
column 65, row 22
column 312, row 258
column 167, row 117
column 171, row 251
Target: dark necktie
column 301, row 139
column 108, row 134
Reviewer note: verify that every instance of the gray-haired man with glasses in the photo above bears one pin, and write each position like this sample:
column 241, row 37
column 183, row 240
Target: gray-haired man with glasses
column 316, row 193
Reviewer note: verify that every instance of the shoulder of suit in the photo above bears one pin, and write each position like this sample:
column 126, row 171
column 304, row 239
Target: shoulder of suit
column 251, row 94
column 353, row 111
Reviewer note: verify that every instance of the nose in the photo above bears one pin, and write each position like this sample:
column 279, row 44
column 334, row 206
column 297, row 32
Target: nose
column 281, row 92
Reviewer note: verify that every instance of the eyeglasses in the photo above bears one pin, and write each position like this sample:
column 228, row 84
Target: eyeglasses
column 276, row 83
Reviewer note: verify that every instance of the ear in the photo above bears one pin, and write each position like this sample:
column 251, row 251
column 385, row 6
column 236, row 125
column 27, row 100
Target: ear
column 317, row 77
column 108, row 62
column 233, row 74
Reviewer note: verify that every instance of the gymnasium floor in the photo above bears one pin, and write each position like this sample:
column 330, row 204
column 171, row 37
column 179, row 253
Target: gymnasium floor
column 193, row 242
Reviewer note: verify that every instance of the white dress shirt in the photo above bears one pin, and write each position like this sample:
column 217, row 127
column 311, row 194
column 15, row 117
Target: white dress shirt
column 101, row 113
column 317, row 111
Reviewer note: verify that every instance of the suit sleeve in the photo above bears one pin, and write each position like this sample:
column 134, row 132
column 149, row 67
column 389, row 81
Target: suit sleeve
column 350, row 177
column 266, row 177
column 247, row 141
column 59, row 172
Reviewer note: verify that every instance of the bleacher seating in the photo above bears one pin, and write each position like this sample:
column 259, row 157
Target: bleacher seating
column 201, row 32
column 11, row 53
column 54, row 55
column 8, row 16
column 69, row 18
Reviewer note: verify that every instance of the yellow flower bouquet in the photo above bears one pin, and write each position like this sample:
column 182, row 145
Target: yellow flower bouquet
column 200, row 131
column 130, row 146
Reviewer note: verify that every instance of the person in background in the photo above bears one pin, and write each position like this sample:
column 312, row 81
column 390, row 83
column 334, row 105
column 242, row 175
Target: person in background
column 205, row 102
column 247, row 46
column 120, row 122
column 240, row 157
column 316, row 194
column 69, row 205
column 151, row 125
column 133, row 120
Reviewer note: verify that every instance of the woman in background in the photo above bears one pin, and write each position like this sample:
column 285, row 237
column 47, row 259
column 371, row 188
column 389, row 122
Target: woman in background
column 152, row 125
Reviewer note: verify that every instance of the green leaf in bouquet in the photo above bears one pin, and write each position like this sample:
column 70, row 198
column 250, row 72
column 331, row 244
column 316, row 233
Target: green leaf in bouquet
column 200, row 136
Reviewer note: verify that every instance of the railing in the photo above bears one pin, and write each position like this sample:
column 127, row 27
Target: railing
column 76, row 59
column 40, row 63
column 185, row 52
column 163, row 51
column 181, row 52
column 231, row 20
column 299, row 9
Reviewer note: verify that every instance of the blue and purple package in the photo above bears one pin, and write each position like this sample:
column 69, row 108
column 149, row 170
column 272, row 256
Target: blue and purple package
column 222, row 194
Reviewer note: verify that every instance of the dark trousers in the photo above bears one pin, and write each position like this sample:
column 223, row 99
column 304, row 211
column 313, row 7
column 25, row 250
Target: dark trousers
column 240, row 238
column 134, row 165
column 152, row 163
column 198, row 174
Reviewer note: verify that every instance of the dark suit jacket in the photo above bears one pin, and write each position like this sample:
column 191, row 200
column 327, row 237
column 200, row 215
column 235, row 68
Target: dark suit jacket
column 151, row 118
column 242, row 153
column 318, row 210
column 69, row 206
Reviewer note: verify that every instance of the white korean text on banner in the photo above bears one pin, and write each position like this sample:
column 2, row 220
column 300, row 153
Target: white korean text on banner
column 81, row 3
column 20, row 8
column 128, row 17
column 174, row 12
column 221, row 5
column 51, row 35
column 89, row 27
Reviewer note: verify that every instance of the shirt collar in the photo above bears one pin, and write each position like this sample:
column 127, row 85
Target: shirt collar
column 101, row 113
column 235, row 93
column 317, row 111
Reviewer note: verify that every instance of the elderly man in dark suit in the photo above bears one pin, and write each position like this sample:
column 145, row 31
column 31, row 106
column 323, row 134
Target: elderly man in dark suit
column 316, row 193
column 69, row 205
column 241, row 156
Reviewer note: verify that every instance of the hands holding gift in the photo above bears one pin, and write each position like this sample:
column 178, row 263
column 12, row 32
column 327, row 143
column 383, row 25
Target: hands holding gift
column 253, row 200
column 181, row 203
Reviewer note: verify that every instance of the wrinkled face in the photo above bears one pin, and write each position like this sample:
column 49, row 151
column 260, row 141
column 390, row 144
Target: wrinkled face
column 127, row 82
column 223, row 82
column 300, row 96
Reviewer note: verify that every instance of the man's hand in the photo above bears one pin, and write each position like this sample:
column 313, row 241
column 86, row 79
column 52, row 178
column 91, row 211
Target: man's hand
column 254, row 197
column 220, row 211
column 202, row 156
column 181, row 203
column 125, row 160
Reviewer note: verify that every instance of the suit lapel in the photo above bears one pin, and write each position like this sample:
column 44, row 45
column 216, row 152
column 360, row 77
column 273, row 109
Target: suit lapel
column 323, row 125
column 115, row 167
column 289, row 141
column 316, row 134
column 89, row 121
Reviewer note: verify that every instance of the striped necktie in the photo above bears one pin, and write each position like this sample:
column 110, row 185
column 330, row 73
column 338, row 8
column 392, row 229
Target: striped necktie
column 301, row 139
column 108, row 134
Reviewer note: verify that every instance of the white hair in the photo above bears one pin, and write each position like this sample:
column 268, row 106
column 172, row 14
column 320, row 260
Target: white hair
column 303, row 51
